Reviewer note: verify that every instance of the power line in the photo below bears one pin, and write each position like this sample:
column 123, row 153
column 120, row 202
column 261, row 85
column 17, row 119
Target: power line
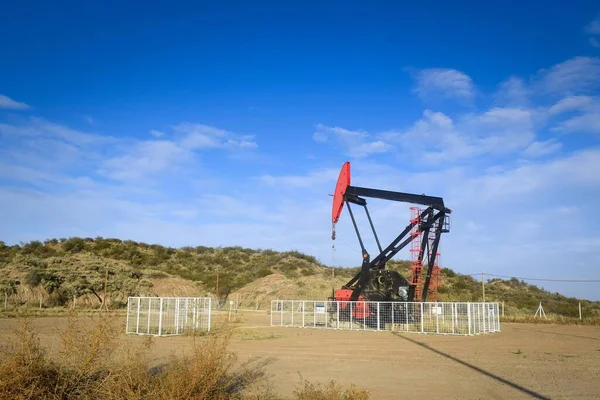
column 540, row 279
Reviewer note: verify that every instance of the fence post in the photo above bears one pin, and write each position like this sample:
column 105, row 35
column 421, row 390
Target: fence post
column 351, row 312
column 453, row 315
column 209, row 312
column 437, row 318
column 127, row 318
column 422, row 316
column 303, row 310
column 579, row 310
column 137, row 322
column 149, row 314
column 483, row 307
column 469, row 316
column 338, row 314
column 160, row 308
column 498, row 318
column 377, row 315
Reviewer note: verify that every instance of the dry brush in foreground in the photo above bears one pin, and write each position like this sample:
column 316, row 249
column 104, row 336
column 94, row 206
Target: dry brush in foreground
column 94, row 362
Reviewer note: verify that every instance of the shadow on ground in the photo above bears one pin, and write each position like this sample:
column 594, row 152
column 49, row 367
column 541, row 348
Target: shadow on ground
column 475, row 368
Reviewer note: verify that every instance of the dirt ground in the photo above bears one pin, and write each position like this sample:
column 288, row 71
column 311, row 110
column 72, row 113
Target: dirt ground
column 522, row 361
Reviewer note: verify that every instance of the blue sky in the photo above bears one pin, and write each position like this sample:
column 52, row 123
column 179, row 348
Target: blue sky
column 226, row 124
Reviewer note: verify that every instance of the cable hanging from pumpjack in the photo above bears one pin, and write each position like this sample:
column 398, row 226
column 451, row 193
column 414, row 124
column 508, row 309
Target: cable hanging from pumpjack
column 332, row 241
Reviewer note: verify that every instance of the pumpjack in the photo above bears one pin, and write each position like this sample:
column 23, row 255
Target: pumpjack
column 375, row 283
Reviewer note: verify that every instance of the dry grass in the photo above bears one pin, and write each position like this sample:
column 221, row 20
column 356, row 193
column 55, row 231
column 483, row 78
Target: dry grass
column 552, row 319
column 330, row 391
column 94, row 362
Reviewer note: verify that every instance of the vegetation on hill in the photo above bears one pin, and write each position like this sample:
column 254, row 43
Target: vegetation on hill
column 62, row 272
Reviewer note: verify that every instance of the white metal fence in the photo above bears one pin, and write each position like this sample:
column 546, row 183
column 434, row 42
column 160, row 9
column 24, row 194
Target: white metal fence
column 164, row 316
column 439, row 318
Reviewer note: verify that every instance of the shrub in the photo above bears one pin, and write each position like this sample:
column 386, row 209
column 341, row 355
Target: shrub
column 93, row 362
column 263, row 272
column 73, row 245
column 330, row 391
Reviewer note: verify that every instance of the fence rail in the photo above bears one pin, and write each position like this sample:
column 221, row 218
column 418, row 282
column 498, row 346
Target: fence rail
column 166, row 316
column 438, row 318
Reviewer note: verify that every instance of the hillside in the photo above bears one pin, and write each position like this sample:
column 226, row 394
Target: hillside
column 59, row 272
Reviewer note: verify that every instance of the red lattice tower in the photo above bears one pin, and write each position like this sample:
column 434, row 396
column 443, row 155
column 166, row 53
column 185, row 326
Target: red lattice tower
column 434, row 283
column 416, row 258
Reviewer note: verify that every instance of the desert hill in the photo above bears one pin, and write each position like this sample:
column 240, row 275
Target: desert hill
column 58, row 272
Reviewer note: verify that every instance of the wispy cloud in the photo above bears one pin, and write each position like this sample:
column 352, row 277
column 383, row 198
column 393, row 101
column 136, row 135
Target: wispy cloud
column 199, row 136
column 543, row 148
column 577, row 75
column 7, row 102
column 353, row 143
column 444, row 82
column 593, row 28
column 437, row 138
column 513, row 93
column 583, row 114
column 39, row 127
column 312, row 180
column 145, row 158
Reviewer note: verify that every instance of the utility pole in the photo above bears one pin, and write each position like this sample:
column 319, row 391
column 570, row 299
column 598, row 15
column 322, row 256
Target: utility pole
column 483, row 286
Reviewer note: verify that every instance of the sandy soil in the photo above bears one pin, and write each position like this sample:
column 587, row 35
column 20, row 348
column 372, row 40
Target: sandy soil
column 522, row 361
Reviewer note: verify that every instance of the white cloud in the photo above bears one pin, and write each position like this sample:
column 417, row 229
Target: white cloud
column 513, row 93
column 438, row 138
column 146, row 158
column 571, row 103
column 39, row 127
column 575, row 171
column 7, row 102
column 586, row 118
column 538, row 149
column 312, row 180
column 354, row 143
column 199, row 136
column 593, row 28
column 577, row 75
column 444, row 82
column 156, row 133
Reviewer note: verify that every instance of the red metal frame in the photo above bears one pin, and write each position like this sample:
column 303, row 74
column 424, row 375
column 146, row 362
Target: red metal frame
column 416, row 258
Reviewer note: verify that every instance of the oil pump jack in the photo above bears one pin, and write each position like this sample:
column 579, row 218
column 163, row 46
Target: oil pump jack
column 373, row 282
